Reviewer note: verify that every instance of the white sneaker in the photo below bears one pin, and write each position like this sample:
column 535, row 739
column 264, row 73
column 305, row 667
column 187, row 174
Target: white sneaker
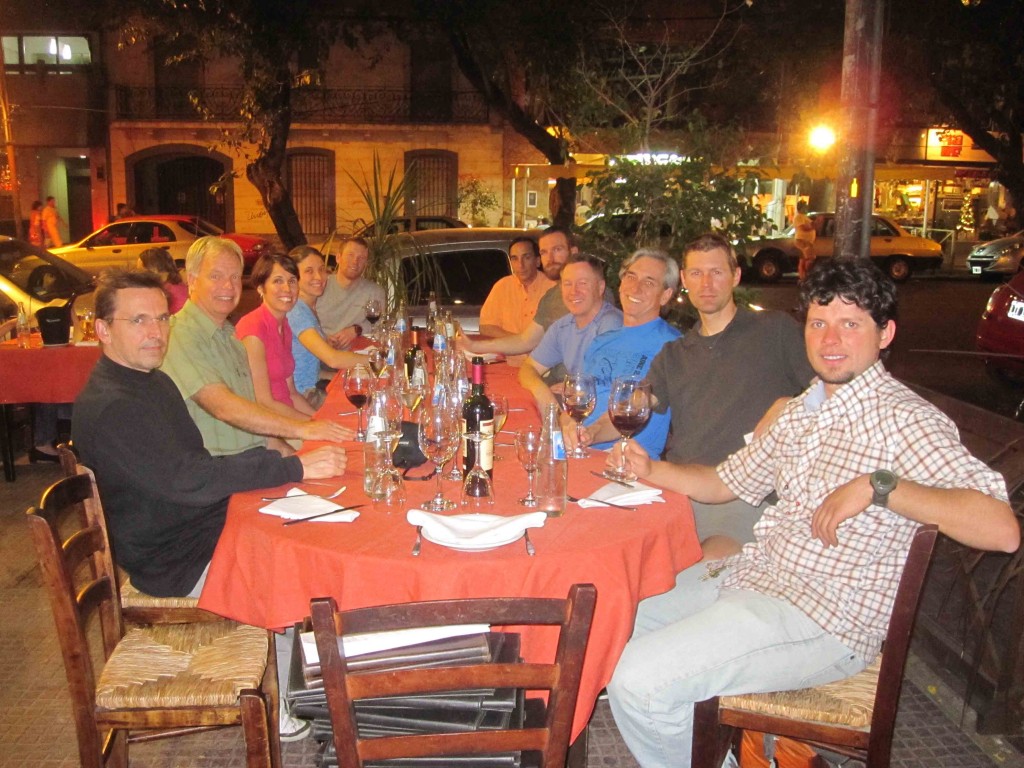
column 292, row 728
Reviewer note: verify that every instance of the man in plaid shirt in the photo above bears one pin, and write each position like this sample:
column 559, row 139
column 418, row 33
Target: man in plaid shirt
column 858, row 462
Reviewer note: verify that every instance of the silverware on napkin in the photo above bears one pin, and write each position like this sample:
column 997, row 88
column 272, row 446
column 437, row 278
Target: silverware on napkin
column 603, row 476
column 419, row 541
column 297, row 520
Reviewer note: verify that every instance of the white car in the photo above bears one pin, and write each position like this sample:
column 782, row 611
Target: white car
column 119, row 243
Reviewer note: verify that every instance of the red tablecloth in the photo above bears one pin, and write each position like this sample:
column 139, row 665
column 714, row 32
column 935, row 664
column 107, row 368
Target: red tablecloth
column 265, row 574
column 44, row 374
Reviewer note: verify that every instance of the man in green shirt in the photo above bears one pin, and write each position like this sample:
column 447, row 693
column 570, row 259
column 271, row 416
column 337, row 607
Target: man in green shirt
column 210, row 368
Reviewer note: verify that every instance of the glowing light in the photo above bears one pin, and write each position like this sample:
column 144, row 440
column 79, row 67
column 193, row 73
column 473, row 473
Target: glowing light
column 822, row 138
column 65, row 52
column 53, row 46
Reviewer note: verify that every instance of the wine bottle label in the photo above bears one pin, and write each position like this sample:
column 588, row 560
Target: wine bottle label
column 487, row 445
column 375, row 425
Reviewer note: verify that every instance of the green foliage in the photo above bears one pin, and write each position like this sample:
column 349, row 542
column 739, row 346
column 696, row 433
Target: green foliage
column 475, row 198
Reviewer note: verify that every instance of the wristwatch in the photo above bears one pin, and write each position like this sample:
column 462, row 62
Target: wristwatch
column 882, row 484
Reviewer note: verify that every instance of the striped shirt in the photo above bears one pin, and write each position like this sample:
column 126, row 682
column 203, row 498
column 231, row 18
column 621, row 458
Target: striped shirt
column 816, row 445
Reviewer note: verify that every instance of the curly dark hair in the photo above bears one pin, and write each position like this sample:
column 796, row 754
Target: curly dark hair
column 856, row 281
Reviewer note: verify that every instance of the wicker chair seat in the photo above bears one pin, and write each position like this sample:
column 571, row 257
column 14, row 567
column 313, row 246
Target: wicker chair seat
column 848, row 702
column 131, row 597
column 183, row 665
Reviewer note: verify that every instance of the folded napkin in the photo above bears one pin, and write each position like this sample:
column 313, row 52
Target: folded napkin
column 301, row 504
column 616, row 494
column 474, row 531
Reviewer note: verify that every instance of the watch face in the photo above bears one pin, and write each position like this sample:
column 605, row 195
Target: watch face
column 883, row 481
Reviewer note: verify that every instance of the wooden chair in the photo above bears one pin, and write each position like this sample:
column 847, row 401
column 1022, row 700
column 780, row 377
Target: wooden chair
column 545, row 735
column 138, row 607
column 162, row 680
column 853, row 717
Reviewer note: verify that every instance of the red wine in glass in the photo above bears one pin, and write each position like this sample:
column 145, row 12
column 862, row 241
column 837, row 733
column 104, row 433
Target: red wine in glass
column 629, row 409
column 629, row 424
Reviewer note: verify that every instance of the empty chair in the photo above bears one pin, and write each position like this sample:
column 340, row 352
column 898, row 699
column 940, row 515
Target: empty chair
column 545, row 735
column 853, row 717
column 148, row 682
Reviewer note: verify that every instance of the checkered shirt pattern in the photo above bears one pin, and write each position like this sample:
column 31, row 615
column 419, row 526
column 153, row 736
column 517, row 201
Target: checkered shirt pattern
column 816, row 445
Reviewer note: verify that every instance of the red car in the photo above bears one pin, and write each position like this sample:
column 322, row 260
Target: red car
column 119, row 243
column 1001, row 330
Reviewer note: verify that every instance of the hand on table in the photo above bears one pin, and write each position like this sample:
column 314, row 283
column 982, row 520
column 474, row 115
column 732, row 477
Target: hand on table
column 320, row 429
column 327, row 461
column 343, row 339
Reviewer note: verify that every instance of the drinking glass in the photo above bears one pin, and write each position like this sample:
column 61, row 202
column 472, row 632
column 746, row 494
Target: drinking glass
column 629, row 408
column 500, row 405
column 372, row 309
column 579, row 396
column 412, row 397
column 388, row 490
column 527, row 448
column 477, row 492
column 376, row 360
column 439, row 438
column 357, row 389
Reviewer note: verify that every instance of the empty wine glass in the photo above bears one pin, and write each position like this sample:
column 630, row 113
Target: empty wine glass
column 357, row 390
column 477, row 492
column 527, row 448
column 499, row 403
column 579, row 396
column 372, row 309
column 629, row 408
column 388, row 489
column 439, row 438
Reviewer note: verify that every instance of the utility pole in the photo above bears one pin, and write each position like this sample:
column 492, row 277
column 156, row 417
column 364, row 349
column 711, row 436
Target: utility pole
column 862, row 62
column 5, row 116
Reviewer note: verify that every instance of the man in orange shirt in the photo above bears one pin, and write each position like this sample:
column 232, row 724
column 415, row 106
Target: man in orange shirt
column 513, row 300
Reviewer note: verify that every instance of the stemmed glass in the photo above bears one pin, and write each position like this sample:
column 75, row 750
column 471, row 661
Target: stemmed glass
column 375, row 357
column 579, row 396
column 499, row 403
column 357, row 390
column 372, row 309
column 629, row 408
column 527, row 448
column 439, row 438
column 477, row 493
column 388, row 489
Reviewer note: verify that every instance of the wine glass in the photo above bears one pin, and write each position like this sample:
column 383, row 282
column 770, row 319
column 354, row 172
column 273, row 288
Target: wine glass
column 372, row 309
column 499, row 404
column 527, row 448
column 375, row 358
column 412, row 397
column 357, row 390
column 477, row 492
column 629, row 408
column 579, row 396
column 439, row 438
column 388, row 489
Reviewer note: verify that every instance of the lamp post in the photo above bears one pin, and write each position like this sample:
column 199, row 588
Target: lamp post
column 5, row 116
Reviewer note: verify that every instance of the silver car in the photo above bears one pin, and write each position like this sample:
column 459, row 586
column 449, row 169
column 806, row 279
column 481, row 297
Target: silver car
column 997, row 258
column 34, row 278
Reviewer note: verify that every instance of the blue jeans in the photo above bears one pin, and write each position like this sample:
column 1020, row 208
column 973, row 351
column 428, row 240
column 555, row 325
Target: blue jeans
column 695, row 642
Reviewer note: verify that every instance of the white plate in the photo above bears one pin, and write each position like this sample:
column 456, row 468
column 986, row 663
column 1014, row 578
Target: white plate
column 470, row 546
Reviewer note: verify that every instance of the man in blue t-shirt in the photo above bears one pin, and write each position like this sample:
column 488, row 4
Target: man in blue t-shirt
column 582, row 285
column 648, row 281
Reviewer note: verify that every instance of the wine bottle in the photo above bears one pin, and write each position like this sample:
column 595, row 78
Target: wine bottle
column 478, row 416
column 410, row 355
column 552, row 468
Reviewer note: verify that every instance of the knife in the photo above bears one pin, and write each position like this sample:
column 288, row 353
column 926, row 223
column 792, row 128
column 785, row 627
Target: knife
column 321, row 514
column 623, row 483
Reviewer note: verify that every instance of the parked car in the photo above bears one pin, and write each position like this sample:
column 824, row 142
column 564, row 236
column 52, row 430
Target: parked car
column 119, row 243
column 416, row 224
column 35, row 278
column 893, row 249
column 1001, row 330
column 997, row 258
column 468, row 261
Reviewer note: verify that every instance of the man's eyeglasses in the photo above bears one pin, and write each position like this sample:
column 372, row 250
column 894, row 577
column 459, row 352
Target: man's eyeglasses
column 140, row 321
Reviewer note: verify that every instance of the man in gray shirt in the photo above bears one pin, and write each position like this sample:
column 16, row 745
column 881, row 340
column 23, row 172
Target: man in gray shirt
column 340, row 309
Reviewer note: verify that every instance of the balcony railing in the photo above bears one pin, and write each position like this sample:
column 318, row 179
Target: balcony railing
column 328, row 105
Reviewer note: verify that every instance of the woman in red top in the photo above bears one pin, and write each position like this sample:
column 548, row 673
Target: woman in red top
column 160, row 262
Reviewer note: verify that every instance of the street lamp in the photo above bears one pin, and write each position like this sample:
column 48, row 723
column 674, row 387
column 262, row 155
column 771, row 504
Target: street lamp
column 822, row 138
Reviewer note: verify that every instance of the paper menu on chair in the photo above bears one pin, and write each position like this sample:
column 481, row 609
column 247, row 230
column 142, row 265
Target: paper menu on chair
column 372, row 642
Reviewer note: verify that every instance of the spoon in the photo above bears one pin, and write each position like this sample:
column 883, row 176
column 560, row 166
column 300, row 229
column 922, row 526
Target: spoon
column 305, row 493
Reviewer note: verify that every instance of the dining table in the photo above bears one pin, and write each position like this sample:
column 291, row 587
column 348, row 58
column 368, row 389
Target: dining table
column 265, row 573
column 39, row 374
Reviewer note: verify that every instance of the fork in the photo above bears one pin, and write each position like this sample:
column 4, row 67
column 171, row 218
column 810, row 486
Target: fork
column 529, row 544
column 574, row 500
column 419, row 541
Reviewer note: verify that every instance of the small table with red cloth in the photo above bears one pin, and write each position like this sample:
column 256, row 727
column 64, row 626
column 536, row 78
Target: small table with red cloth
column 265, row 574
column 39, row 375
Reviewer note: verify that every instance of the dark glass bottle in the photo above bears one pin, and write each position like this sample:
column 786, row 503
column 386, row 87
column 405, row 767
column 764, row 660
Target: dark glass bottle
column 478, row 416
column 410, row 354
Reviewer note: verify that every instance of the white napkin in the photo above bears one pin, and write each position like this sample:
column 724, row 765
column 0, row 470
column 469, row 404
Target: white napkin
column 616, row 494
column 476, row 530
column 301, row 504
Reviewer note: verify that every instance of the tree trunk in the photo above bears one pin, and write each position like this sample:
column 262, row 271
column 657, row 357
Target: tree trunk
column 266, row 172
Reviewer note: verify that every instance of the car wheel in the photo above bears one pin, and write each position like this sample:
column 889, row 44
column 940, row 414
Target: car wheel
column 767, row 268
column 898, row 269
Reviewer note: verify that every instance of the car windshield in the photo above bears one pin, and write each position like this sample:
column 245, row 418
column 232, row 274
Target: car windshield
column 39, row 273
column 200, row 227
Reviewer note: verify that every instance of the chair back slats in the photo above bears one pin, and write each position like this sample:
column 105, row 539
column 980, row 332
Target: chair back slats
column 92, row 596
column 529, row 676
column 561, row 678
column 477, row 742
column 81, row 546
